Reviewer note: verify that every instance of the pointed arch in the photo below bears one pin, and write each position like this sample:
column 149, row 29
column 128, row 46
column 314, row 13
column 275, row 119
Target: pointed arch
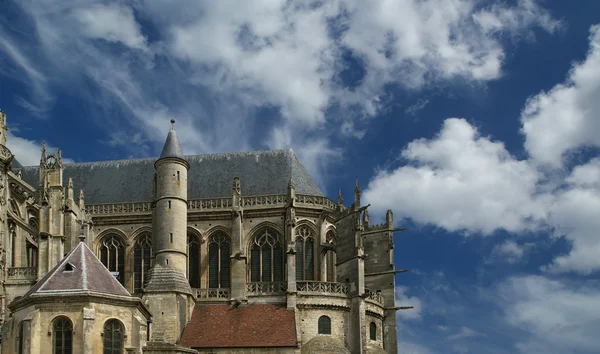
column 266, row 254
column 219, row 253
column 142, row 255
column 111, row 247
column 305, row 241
column 194, row 248
column 330, row 256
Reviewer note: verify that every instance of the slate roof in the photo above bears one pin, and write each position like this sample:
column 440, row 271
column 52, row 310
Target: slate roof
column 79, row 271
column 172, row 147
column 209, row 176
column 246, row 326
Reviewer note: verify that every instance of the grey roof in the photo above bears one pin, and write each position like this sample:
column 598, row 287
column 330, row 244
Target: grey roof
column 172, row 147
column 79, row 271
column 210, row 176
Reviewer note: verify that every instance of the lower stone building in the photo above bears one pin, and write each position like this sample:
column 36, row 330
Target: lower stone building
column 171, row 255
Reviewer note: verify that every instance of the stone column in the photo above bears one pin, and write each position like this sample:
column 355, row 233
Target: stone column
column 290, row 231
column 238, row 252
column 89, row 316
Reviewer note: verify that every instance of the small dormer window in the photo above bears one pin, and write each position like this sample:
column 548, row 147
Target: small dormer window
column 69, row 267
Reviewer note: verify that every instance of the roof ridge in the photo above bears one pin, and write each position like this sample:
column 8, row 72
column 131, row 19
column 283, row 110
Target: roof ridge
column 142, row 159
column 84, row 284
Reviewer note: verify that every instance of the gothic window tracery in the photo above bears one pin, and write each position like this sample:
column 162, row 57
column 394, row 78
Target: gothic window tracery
column 305, row 254
column 219, row 250
column 193, row 246
column 330, row 257
column 266, row 257
column 62, row 333
column 112, row 255
column 112, row 337
column 142, row 254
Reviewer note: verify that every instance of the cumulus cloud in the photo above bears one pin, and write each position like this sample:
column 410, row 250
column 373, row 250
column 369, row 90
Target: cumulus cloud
column 216, row 66
column 557, row 316
column 566, row 117
column 460, row 180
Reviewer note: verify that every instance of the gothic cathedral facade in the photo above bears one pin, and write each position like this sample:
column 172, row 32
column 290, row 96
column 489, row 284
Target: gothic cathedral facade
column 221, row 253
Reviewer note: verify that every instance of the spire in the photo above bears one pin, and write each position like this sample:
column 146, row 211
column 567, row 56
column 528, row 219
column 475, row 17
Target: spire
column 43, row 158
column 357, row 195
column 172, row 147
column 340, row 198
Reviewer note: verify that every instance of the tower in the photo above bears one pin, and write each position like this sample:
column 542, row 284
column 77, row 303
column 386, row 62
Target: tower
column 168, row 293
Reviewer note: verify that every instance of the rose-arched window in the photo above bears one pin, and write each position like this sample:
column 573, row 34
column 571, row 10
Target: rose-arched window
column 266, row 257
column 305, row 254
column 112, row 255
column 219, row 251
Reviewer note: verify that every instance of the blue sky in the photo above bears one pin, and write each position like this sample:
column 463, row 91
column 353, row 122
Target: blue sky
column 474, row 121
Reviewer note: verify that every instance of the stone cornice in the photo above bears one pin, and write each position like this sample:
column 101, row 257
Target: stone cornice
column 79, row 297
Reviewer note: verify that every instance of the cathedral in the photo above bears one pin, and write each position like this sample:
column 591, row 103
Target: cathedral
column 216, row 253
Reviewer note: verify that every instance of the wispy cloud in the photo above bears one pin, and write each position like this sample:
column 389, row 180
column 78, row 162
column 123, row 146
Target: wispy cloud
column 218, row 66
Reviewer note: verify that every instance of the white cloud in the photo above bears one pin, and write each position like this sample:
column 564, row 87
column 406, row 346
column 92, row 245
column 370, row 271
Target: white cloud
column 114, row 23
column 460, row 180
column 464, row 332
column 509, row 251
column 574, row 213
column 214, row 65
column 565, row 118
column 28, row 152
column 557, row 316
column 402, row 299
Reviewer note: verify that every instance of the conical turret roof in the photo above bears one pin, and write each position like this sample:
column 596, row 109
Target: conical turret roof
column 172, row 147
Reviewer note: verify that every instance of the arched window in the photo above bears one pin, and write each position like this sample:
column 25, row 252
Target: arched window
column 112, row 255
column 305, row 254
column 20, row 339
column 219, row 251
column 62, row 335
column 112, row 337
column 13, row 244
column 142, row 253
column 330, row 258
column 266, row 257
column 373, row 331
column 324, row 325
column 193, row 246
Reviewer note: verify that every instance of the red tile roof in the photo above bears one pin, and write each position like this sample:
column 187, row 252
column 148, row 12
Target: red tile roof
column 255, row 325
column 80, row 270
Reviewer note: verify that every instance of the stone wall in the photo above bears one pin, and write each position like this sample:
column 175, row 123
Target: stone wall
column 88, row 324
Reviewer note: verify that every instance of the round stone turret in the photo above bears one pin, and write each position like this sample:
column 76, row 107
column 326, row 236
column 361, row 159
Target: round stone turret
column 169, row 239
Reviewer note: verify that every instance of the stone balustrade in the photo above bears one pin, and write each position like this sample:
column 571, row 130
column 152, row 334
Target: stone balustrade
column 321, row 287
column 266, row 288
column 119, row 208
column 22, row 273
column 374, row 295
column 264, row 200
column 275, row 200
column 212, row 293
column 315, row 201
